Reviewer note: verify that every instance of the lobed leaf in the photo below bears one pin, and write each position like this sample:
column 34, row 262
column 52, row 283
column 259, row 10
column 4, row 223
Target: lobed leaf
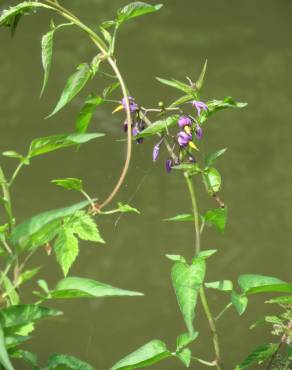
column 136, row 9
column 75, row 287
column 159, row 126
column 74, row 85
column 27, row 356
column 66, row 249
column 23, row 232
column 147, row 355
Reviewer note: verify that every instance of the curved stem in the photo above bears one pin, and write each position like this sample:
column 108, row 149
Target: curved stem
column 211, row 321
column 102, row 47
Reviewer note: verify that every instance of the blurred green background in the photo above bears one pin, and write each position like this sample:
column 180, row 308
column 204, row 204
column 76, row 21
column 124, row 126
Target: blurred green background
column 247, row 44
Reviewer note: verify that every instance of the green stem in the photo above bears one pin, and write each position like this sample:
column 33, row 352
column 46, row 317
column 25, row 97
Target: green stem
column 223, row 311
column 15, row 173
column 207, row 363
column 7, row 199
column 195, row 212
column 211, row 321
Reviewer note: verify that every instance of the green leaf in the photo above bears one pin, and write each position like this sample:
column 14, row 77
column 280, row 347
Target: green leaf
column 175, row 258
column 27, row 356
column 259, row 355
column 187, row 281
column 136, row 9
column 12, row 154
column 10, row 16
column 185, row 356
column 24, row 314
column 73, row 86
column 10, row 290
column 177, row 85
column 23, row 232
column 250, row 282
column 110, row 89
column 86, row 113
column 83, row 225
column 69, row 183
column 223, row 285
column 159, row 126
column 212, row 180
column 12, row 341
column 206, row 253
column 65, row 362
column 200, row 80
column 75, row 287
column 192, row 168
column 147, row 355
column 4, row 358
column 50, row 143
column 47, row 53
column 181, row 218
column 123, row 207
column 182, row 100
column 217, row 105
column 283, row 300
column 185, row 339
column 28, row 275
column 211, row 157
column 66, row 249
column 217, row 217
column 239, row 301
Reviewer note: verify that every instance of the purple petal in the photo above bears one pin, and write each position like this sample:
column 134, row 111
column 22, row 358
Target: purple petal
column 184, row 121
column 199, row 105
column 168, row 165
column 155, row 152
column 199, row 132
column 183, row 138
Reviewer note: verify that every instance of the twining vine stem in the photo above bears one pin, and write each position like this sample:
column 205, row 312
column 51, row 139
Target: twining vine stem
column 211, row 321
column 106, row 55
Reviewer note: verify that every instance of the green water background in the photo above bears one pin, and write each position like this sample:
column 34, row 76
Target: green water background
column 248, row 46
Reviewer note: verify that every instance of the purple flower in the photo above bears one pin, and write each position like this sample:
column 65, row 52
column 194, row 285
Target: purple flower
column 184, row 121
column 183, row 138
column 132, row 105
column 199, row 105
column 168, row 165
column 155, row 152
column 199, row 132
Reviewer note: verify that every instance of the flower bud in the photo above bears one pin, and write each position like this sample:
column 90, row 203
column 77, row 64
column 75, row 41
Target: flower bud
column 199, row 132
column 168, row 165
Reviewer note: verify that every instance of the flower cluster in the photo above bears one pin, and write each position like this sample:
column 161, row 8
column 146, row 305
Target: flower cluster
column 183, row 142
column 189, row 129
column 138, row 125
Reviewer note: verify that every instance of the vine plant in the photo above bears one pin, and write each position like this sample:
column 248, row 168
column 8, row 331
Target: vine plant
column 61, row 229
